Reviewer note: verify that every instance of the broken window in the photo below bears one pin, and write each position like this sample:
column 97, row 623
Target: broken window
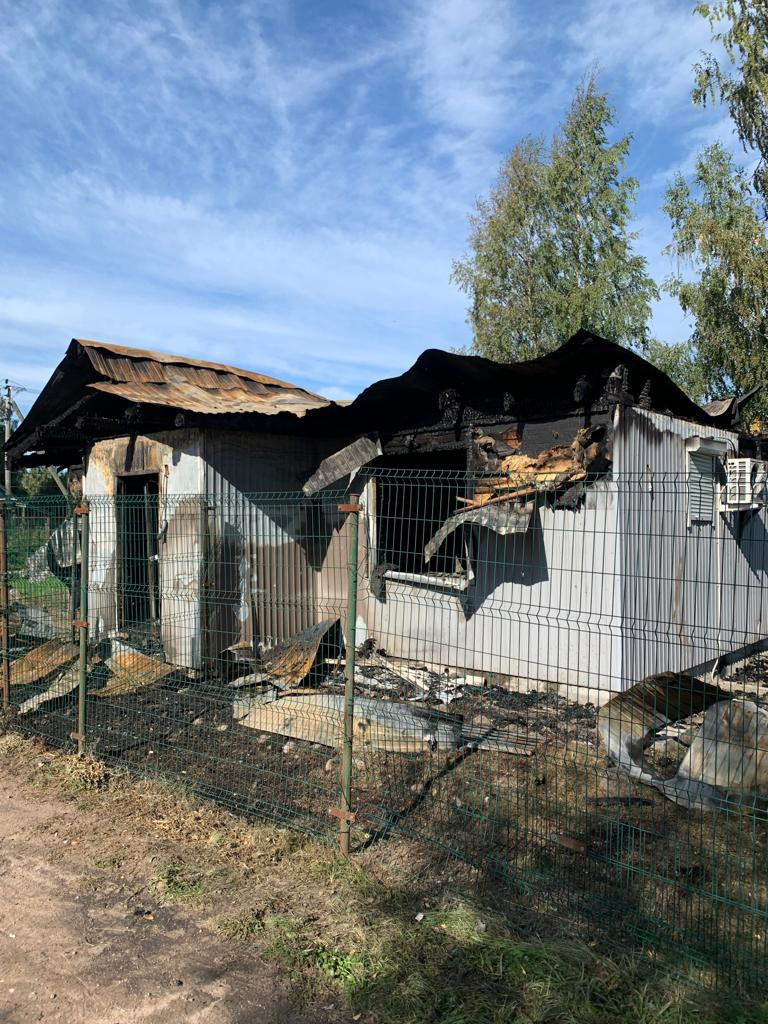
column 406, row 512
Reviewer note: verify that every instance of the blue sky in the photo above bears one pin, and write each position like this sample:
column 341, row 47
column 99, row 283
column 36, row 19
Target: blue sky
column 284, row 185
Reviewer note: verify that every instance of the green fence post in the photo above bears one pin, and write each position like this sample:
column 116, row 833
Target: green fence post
column 73, row 589
column 346, row 816
column 5, row 611
column 82, row 623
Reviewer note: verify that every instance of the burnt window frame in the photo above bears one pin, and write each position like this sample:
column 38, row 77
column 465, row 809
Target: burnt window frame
column 453, row 482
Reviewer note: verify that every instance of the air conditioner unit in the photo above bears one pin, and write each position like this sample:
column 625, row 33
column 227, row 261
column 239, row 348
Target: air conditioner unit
column 746, row 485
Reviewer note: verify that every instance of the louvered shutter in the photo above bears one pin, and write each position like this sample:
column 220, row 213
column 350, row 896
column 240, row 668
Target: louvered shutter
column 701, row 487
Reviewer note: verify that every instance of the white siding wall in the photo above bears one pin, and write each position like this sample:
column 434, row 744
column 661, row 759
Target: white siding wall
column 688, row 592
column 543, row 604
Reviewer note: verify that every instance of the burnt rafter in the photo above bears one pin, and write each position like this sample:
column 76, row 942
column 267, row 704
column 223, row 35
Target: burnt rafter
column 450, row 404
column 60, row 427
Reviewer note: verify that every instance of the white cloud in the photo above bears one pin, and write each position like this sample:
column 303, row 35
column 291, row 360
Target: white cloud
column 465, row 62
column 650, row 46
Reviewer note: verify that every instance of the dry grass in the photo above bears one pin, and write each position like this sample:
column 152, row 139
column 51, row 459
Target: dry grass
column 403, row 937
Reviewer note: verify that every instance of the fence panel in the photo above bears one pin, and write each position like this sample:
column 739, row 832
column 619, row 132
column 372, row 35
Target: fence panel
column 490, row 699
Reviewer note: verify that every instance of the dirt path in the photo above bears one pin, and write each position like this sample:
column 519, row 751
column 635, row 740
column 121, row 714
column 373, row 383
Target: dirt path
column 80, row 945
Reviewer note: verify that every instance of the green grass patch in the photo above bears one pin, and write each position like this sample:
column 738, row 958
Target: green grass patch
column 178, row 883
column 314, row 967
column 48, row 588
column 457, row 966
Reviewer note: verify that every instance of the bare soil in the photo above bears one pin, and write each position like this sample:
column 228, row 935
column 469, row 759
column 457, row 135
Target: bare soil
column 85, row 937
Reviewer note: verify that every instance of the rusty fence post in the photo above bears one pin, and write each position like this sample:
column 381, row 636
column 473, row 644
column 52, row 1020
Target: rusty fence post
column 83, row 513
column 5, row 610
column 344, row 812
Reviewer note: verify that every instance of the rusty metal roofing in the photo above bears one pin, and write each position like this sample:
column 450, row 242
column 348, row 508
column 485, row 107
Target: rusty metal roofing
column 196, row 385
column 719, row 407
column 210, row 401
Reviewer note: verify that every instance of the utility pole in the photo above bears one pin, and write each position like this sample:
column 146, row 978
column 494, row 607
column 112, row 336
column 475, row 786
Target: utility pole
column 51, row 471
column 7, row 418
column 9, row 408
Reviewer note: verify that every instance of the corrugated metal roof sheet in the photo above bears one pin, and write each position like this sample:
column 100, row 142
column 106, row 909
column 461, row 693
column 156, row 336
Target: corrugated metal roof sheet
column 106, row 358
column 211, row 401
column 719, row 407
column 156, row 378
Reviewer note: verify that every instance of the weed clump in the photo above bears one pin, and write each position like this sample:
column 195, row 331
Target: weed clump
column 242, row 928
column 85, row 773
column 179, row 883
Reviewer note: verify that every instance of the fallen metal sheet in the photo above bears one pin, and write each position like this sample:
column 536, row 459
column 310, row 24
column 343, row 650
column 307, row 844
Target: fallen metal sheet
column 378, row 725
column 627, row 723
column 502, row 518
column 60, row 687
column 291, row 661
column 730, row 750
column 345, row 462
column 132, row 671
column 55, row 555
column 40, row 662
column 727, row 755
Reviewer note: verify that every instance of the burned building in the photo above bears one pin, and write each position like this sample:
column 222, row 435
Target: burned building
column 577, row 529
column 558, row 520
column 167, row 448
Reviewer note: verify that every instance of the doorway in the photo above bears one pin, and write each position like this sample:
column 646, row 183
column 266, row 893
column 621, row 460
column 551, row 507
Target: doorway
column 138, row 567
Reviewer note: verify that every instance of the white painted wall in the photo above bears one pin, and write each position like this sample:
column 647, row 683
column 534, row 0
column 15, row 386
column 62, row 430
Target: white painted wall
column 544, row 604
column 176, row 457
column 688, row 592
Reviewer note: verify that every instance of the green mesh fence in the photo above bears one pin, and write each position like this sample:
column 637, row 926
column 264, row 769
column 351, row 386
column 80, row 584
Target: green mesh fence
column 493, row 715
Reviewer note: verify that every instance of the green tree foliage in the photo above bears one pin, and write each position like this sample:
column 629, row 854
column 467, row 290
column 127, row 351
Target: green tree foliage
column 721, row 280
column 550, row 248
column 35, row 483
column 741, row 83
column 679, row 362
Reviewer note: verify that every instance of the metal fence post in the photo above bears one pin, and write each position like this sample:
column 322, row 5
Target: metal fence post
column 5, row 610
column 73, row 588
column 346, row 816
column 82, row 624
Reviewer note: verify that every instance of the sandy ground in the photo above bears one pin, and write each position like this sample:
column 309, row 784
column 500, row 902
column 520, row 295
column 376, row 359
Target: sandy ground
column 82, row 945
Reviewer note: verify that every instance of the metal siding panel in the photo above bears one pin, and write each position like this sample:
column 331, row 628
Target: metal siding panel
column 277, row 584
column 543, row 604
column 688, row 592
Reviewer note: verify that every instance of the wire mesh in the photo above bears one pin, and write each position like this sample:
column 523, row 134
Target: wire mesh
column 500, row 635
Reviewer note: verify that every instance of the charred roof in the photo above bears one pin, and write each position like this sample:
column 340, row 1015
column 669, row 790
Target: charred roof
column 104, row 390
column 586, row 373
column 151, row 388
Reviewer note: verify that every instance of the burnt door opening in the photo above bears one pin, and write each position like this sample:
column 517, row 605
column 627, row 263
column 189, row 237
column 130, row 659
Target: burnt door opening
column 139, row 599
